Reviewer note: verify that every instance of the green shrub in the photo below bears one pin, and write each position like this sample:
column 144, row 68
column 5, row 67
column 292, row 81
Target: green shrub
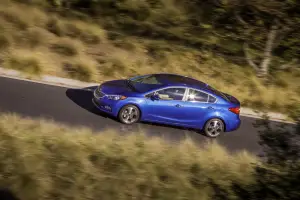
column 78, row 71
column 25, row 64
column 64, row 48
column 42, row 160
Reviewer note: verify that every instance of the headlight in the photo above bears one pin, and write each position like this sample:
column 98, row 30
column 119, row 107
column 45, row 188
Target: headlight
column 116, row 97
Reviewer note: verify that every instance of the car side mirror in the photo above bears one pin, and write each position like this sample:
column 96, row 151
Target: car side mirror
column 155, row 97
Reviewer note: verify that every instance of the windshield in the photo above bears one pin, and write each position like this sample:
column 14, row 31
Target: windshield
column 144, row 83
column 150, row 79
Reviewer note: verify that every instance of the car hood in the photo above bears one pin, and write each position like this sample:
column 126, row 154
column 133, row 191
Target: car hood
column 119, row 87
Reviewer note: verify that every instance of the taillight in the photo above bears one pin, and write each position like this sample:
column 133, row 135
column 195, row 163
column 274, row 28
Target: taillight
column 235, row 110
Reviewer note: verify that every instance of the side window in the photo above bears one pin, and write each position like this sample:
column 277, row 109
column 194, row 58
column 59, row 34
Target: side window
column 212, row 99
column 197, row 96
column 171, row 94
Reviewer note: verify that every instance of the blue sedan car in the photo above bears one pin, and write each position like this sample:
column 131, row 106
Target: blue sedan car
column 169, row 99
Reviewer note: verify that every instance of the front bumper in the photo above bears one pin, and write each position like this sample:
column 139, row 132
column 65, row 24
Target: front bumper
column 102, row 103
column 102, row 107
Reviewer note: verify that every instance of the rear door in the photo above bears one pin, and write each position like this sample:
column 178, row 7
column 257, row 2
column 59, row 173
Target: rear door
column 169, row 107
column 197, row 105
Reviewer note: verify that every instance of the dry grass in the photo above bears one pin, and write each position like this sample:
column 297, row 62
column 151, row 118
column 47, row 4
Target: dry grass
column 64, row 48
column 58, row 41
column 31, row 38
column 83, row 71
column 25, row 64
column 4, row 42
column 45, row 160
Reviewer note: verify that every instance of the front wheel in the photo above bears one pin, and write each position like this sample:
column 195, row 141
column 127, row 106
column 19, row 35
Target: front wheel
column 213, row 128
column 129, row 114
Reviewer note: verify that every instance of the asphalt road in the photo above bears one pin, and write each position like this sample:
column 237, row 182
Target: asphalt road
column 74, row 107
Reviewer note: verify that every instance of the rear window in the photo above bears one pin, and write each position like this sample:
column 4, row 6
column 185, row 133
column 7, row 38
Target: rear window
column 211, row 99
column 218, row 93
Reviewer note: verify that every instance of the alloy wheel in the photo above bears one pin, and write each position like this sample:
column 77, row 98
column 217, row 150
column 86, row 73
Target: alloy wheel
column 214, row 128
column 129, row 114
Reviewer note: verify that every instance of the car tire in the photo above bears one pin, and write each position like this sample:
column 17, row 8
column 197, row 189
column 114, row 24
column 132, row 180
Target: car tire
column 129, row 114
column 214, row 127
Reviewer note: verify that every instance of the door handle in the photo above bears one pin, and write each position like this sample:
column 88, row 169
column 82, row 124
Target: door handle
column 178, row 105
column 210, row 108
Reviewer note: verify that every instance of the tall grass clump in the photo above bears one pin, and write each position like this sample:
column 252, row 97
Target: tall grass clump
column 82, row 32
column 31, row 38
column 79, row 70
column 25, row 64
column 4, row 42
column 64, row 48
column 13, row 18
column 111, row 66
column 54, row 25
column 46, row 160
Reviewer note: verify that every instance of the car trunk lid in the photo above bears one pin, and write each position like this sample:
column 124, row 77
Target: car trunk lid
column 232, row 99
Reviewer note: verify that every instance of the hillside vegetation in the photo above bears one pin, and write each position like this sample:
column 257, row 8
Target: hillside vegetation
column 248, row 49
column 43, row 160
column 46, row 160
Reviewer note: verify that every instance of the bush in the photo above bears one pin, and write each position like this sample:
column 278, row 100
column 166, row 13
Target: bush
column 86, row 36
column 14, row 19
column 78, row 71
column 31, row 38
column 4, row 42
column 127, row 45
column 25, row 64
column 64, row 48
column 72, row 30
column 43, row 160
column 111, row 66
column 54, row 26
column 278, row 178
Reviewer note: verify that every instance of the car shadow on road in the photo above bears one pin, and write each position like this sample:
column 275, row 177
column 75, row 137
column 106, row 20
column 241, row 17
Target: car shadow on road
column 83, row 98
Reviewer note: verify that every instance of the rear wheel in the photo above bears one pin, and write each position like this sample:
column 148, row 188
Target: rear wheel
column 129, row 114
column 213, row 128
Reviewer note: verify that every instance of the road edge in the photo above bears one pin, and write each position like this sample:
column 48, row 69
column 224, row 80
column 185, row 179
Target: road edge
column 65, row 82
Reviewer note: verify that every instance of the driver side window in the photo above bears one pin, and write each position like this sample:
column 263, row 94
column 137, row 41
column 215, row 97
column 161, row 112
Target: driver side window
column 171, row 94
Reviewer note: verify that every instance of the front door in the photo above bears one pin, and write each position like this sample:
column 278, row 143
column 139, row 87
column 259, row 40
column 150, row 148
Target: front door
column 168, row 108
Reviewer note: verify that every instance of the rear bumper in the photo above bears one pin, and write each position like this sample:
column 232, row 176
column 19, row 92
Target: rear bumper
column 233, row 125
